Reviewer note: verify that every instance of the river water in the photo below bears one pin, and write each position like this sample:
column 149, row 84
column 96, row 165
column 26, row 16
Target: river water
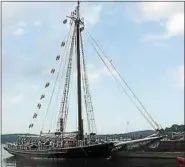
column 8, row 160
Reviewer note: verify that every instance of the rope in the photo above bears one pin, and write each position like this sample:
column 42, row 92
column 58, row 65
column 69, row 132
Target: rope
column 68, row 90
column 63, row 70
column 53, row 88
column 123, row 88
column 124, row 81
column 69, row 95
column 67, row 82
column 58, row 79
column 89, row 107
column 55, row 84
column 135, row 97
column 86, row 105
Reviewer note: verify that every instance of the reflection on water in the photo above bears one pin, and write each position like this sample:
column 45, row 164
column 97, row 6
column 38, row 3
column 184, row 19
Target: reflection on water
column 9, row 160
column 16, row 162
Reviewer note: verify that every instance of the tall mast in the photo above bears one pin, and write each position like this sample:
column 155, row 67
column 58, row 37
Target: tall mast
column 79, row 95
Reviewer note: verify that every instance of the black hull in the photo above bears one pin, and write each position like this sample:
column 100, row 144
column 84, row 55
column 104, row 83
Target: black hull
column 92, row 151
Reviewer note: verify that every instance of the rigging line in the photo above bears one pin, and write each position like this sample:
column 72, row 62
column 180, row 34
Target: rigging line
column 64, row 105
column 62, row 75
column 56, row 79
column 128, row 86
column 70, row 84
column 89, row 111
column 85, row 99
column 136, row 97
column 130, row 97
column 69, row 92
column 69, row 96
column 69, row 70
column 55, row 84
column 123, row 88
column 83, row 79
column 64, row 70
column 88, row 122
column 66, row 85
column 54, row 113
column 125, row 82
column 59, row 72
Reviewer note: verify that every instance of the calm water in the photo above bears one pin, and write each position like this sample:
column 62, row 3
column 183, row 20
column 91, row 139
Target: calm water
column 8, row 160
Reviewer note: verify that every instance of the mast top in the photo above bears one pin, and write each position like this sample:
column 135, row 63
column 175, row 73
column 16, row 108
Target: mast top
column 78, row 2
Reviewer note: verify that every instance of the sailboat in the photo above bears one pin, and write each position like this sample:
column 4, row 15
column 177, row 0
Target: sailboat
column 62, row 144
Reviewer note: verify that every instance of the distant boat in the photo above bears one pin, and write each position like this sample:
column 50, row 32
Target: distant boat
column 62, row 144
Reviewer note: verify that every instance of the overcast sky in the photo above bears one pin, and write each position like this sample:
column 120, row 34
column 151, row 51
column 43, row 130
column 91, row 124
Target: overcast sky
column 144, row 40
